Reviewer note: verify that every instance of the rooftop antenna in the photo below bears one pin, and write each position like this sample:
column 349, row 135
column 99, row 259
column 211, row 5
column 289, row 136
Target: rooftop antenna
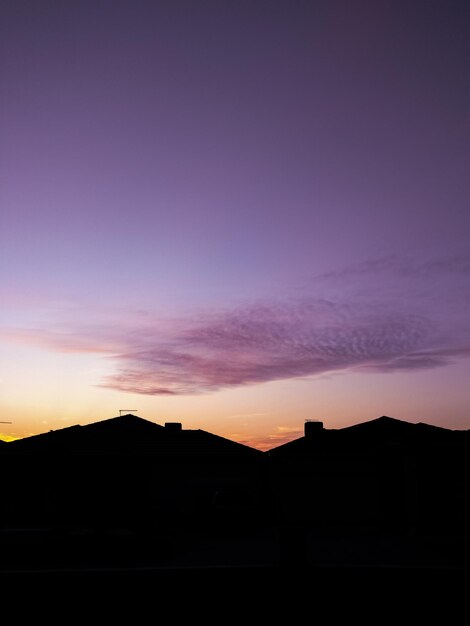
column 121, row 411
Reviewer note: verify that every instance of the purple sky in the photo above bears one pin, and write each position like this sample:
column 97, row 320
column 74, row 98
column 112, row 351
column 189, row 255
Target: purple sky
column 216, row 196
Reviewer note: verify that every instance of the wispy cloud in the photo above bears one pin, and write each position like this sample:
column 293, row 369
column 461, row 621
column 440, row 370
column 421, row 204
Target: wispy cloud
column 403, row 267
column 238, row 415
column 269, row 342
column 380, row 316
column 282, row 434
column 60, row 341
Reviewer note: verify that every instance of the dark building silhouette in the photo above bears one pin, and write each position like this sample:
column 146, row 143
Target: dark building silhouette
column 127, row 491
column 383, row 478
column 125, row 471
column 384, row 469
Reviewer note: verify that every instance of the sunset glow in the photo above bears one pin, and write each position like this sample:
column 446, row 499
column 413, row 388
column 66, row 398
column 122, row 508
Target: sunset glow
column 236, row 216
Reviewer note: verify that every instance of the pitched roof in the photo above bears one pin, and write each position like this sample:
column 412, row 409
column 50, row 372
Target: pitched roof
column 380, row 431
column 393, row 430
column 129, row 434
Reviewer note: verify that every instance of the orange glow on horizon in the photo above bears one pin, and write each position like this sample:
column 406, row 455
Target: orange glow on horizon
column 8, row 438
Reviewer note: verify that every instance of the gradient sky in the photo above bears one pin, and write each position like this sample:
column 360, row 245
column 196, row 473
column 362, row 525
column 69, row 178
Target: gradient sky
column 234, row 214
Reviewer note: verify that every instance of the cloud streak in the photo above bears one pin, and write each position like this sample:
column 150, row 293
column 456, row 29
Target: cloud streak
column 270, row 342
column 385, row 315
column 282, row 434
column 382, row 316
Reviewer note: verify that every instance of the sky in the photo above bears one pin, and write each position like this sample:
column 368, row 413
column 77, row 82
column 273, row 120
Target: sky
column 234, row 214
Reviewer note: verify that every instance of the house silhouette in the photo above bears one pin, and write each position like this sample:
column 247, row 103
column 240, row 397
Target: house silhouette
column 382, row 477
column 127, row 472
column 129, row 434
column 353, row 495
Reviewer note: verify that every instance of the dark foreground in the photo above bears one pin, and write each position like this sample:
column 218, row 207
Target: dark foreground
column 238, row 572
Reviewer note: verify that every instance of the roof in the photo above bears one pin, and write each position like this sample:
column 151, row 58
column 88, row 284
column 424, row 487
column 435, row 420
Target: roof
column 389, row 427
column 129, row 434
column 381, row 431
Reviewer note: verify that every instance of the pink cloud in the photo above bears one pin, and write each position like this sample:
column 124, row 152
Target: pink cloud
column 73, row 341
column 382, row 316
column 270, row 342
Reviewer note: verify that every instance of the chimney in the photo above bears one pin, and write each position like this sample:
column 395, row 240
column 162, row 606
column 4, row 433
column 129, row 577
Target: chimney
column 312, row 429
column 173, row 427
